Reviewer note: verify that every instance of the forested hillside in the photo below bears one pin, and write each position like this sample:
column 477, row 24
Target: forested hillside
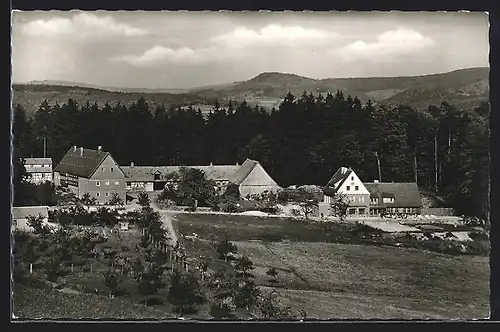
column 303, row 141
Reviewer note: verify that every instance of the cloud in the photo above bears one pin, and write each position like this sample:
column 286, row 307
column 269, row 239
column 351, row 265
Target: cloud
column 275, row 34
column 159, row 53
column 237, row 44
column 80, row 25
column 397, row 42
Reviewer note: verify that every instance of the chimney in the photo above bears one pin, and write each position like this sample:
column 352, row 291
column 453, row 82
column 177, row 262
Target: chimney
column 132, row 164
column 211, row 164
column 81, row 151
column 375, row 181
column 74, row 148
column 237, row 164
column 99, row 148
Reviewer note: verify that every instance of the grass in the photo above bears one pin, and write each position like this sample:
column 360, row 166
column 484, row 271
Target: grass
column 335, row 280
column 37, row 303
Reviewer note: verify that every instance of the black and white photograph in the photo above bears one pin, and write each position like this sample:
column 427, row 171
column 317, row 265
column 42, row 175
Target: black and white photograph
column 249, row 166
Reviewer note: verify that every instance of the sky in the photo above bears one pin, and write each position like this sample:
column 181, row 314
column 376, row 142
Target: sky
column 167, row 50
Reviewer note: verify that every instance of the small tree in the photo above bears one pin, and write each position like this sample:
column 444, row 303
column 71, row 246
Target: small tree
column 87, row 199
column 339, row 204
column 112, row 281
column 307, row 201
column 143, row 199
column 243, row 267
column 273, row 273
column 184, row 291
column 246, row 294
column 270, row 308
column 224, row 248
column 115, row 200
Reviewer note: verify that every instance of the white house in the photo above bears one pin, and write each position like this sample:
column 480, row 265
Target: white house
column 39, row 169
column 345, row 182
column 20, row 217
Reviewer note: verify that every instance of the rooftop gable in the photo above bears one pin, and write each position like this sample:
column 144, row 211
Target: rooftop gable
column 81, row 162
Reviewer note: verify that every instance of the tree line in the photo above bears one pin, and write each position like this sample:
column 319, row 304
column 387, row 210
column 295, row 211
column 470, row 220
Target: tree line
column 303, row 141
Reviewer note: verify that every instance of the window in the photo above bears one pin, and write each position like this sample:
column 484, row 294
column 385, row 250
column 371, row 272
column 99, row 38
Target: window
column 97, row 194
column 107, row 183
column 106, row 194
column 14, row 223
column 348, row 188
column 361, row 211
column 97, row 183
column 352, row 211
column 362, row 199
column 388, row 199
column 102, row 169
column 111, row 169
column 117, row 183
column 352, row 178
column 356, row 188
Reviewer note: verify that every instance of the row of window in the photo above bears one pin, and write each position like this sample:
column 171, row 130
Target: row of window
column 111, row 169
column 98, row 183
column 98, row 194
column 356, row 188
column 374, row 200
column 35, row 166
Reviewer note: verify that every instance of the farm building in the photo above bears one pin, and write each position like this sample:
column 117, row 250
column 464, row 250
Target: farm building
column 346, row 182
column 90, row 171
column 20, row 216
column 371, row 198
column 38, row 170
column 250, row 177
column 394, row 198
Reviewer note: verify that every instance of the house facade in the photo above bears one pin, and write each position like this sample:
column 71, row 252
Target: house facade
column 38, row 170
column 21, row 214
column 371, row 198
column 250, row 177
column 93, row 172
column 345, row 182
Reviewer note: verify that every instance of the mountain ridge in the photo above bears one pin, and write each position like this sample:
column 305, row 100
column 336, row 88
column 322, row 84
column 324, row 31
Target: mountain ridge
column 462, row 87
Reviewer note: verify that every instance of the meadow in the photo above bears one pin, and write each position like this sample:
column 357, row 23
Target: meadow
column 342, row 280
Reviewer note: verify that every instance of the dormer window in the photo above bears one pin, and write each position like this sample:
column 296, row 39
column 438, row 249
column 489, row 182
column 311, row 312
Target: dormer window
column 388, row 199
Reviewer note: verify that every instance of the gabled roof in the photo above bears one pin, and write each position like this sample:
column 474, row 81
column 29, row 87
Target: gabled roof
column 405, row 194
column 23, row 212
column 37, row 161
column 81, row 165
column 244, row 170
column 337, row 180
column 146, row 173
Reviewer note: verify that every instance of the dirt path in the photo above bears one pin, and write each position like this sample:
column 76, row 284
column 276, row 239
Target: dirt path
column 167, row 222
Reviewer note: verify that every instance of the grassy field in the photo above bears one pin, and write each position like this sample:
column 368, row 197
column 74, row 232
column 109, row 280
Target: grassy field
column 37, row 303
column 330, row 280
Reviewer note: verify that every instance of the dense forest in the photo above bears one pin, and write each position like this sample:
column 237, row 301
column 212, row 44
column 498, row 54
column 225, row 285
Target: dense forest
column 303, row 141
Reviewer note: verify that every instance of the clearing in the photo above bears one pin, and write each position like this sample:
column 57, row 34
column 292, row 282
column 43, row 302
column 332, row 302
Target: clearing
column 333, row 280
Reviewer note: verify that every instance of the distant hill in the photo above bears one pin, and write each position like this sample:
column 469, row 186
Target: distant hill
column 30, row 96
column 462, row 88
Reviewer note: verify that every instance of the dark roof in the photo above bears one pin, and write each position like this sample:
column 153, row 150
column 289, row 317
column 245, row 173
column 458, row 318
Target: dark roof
column 337, row 180
column 405, row 194
column 37, row 161
column 244, row 170
column 81, row 165
column 146, row 173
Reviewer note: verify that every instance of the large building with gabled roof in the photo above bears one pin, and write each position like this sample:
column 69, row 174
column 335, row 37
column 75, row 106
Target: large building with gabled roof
column 371, row 198
column 93, row 172
column 250, row 177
